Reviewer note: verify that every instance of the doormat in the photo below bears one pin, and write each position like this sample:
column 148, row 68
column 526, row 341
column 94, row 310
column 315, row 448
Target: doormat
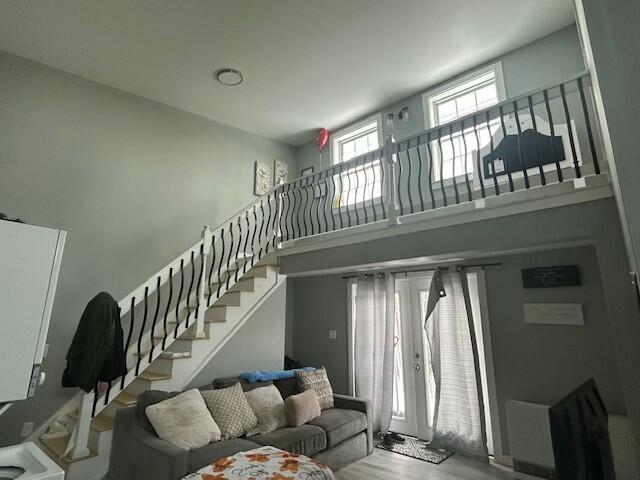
column 416, row 448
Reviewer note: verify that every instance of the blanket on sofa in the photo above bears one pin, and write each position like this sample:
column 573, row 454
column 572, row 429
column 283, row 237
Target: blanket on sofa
column 265, row 463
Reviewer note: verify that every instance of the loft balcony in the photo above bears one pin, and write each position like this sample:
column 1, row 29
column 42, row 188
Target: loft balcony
column 536, row 151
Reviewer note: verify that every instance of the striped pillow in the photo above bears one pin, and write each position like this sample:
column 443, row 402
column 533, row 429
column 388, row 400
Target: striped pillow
column 317, row 380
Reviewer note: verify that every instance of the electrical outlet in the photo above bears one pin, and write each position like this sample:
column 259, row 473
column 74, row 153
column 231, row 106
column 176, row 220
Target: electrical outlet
column 333, row 334
column 27, row 429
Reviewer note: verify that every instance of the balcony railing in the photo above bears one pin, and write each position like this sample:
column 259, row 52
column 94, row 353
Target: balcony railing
column 544, row 137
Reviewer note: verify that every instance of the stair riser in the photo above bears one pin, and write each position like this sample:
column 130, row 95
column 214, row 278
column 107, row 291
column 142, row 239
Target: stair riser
column 112, row 408
column 181, row 345
column 230, row 299
column 163, row 365
column 216, row 315
column 258, row 272
column 100, row 441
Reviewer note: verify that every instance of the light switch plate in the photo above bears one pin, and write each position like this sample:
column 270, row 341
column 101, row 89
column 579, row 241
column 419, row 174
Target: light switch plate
column 333, row 334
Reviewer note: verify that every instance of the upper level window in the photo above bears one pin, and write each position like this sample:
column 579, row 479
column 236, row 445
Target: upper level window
column 356, row 140
column 360, row 183
column 457, row 99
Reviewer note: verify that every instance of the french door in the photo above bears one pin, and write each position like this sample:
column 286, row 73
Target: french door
column 413, row 383
column 414, row 389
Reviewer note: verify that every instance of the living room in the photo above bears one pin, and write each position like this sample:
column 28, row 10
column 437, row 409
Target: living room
column 442, row 176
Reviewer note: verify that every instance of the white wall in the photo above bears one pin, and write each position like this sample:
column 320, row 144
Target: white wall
column 132, row 181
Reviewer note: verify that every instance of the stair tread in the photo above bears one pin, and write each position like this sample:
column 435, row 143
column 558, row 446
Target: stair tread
column 102, row 422
column 186, row 337
column 224, row 320
column 164, row 355
column 127, row 399
column 153, row 376
column 55, row 448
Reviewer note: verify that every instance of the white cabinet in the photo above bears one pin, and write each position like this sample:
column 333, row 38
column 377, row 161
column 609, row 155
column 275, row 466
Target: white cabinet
column 30, row 259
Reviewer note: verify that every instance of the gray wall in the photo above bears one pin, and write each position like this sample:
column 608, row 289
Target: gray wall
column 320, row 305
column 258, row 345
column 544, row 62
column 558, row 357
column 612, row 46
column 536, row 363
column 131, row 180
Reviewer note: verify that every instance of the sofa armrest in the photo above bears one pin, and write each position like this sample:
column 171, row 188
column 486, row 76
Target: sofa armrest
column 360, row 405
column 137, row 454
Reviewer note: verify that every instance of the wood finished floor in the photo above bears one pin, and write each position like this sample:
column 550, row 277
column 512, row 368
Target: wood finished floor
column 388, row 465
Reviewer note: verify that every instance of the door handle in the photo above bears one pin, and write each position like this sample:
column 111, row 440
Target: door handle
column 417, row 367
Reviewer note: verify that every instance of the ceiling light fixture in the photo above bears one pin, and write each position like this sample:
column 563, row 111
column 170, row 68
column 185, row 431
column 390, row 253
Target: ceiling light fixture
column 229, row 77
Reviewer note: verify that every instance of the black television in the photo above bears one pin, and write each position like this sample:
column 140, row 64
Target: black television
column 580, row 435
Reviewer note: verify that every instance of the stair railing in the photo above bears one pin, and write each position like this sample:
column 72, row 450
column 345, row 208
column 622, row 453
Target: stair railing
column 174, row 299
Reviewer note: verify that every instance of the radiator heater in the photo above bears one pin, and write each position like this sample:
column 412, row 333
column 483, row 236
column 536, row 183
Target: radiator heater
column 532, row 452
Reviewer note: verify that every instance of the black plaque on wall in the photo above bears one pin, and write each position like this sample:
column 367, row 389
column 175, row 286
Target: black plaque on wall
column 555, row 276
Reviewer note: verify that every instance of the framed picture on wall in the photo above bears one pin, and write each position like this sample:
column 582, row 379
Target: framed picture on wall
column 306, row 171
column 261, row 178
column 281, row 172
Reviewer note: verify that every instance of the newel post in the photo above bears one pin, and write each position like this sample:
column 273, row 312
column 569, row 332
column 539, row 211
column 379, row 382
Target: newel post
column 390, row 195
column 79, row 442
column 207, row 236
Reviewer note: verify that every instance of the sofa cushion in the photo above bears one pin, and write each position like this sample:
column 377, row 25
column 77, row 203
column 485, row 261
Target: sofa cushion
column 184, row 421
column 340, row 424
column 301, row 408
column 210, row 453
column 317, row 380
column 304, row 440
column 267, row 404
column 148, row 398
column 231, row 411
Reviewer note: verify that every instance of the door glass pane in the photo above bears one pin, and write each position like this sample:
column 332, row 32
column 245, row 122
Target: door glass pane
column 399, row 409
column 430, row 381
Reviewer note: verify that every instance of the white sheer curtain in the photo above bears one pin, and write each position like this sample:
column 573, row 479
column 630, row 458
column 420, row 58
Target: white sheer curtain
column 373, row 346
column 458, row 422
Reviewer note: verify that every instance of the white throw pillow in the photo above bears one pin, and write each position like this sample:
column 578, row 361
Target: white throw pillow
column 184, row 421
column 268, row 405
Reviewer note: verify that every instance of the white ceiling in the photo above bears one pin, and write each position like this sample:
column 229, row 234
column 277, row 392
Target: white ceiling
column 306, row 63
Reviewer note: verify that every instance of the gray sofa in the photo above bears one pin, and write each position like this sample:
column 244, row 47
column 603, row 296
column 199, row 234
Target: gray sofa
column 339, row 436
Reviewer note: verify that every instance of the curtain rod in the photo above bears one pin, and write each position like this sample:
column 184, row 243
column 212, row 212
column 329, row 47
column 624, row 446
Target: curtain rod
column 430, row 269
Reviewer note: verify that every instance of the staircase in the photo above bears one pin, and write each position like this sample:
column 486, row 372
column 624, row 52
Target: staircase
column 174, row 323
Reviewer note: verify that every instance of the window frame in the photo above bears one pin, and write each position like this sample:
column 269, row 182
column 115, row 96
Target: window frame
column 434, row 96
column 343, row 134
column 336, row 137
column 431, row 97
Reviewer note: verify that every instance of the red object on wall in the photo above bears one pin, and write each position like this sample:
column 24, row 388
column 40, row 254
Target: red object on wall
column 321, row 138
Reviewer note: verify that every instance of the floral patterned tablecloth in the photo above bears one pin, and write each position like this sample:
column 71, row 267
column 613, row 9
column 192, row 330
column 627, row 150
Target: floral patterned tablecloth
column 266, row 463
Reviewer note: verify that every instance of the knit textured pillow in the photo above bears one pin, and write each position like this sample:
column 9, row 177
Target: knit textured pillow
column 316, row 380
column 231, row 411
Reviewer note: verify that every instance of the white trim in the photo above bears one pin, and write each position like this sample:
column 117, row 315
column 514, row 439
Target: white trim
column 428, row 98
column 343, row 132
column 350, row 336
